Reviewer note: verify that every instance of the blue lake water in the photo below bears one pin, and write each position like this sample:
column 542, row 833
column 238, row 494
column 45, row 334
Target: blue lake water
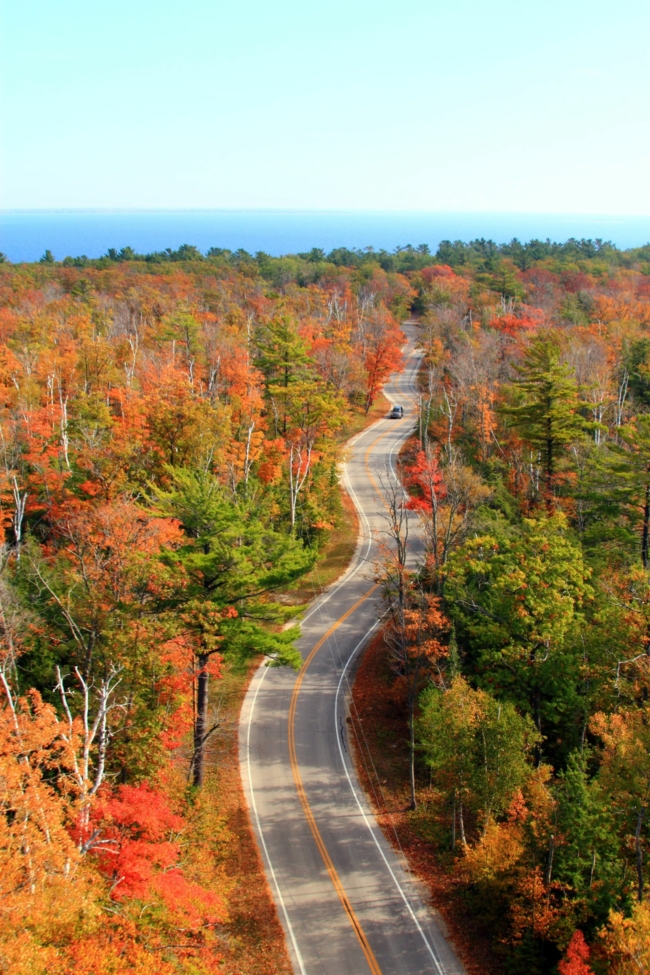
column 24, row 235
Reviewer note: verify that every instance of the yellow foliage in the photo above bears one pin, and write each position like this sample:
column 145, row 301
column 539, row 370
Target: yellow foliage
column 626, row 941
column 497, row 852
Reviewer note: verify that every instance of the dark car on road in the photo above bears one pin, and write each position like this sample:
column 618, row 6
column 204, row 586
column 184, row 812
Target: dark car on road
column 396, row 413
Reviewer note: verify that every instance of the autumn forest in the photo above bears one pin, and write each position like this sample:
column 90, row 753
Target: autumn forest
column 172, row 429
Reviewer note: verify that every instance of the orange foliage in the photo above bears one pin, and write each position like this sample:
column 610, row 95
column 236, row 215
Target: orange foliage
column 513, row 325
column 576, row 957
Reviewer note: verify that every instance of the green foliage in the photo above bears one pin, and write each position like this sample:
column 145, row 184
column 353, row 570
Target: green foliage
column 231, row 560
column 501, row 278
column 282, row 354
column 545, row 407
column 637, row 363
column 517, row 603
column 587, row 856
column 476, row 747
column 617, row 490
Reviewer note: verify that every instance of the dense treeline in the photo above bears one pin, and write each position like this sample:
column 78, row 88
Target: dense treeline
column 522, row 646
column 169, row 439
column 312, row 265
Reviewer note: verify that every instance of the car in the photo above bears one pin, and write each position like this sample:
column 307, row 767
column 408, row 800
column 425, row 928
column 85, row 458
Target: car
column 396, row 413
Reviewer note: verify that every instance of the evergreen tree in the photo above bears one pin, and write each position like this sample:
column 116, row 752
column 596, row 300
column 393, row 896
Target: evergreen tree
column 231, row 559
column 283, row 359
column 586, row 855
column 627, row 475
column 545, row 411
column 516, row 603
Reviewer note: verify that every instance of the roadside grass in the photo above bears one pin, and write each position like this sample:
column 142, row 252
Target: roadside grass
column 360, row 420
column 378, row 731
column 336, row 554
column 333, row 559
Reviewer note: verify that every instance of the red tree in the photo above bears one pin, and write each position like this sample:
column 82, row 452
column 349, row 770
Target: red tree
column 576, row 957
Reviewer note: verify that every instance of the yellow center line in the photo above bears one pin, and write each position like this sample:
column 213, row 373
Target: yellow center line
column 367, row 454
column 309, row 816
column 384, row 434
column 331, row 869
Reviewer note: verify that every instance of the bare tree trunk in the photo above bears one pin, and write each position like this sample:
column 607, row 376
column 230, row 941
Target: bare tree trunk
column 639, row 853
column 622, row 396
column 20, row 500
column 414, row 802
column 461, row 821
column 646, row 525
column 201, row 721
column 549, row 864
column 453, row 823
column 297, row 476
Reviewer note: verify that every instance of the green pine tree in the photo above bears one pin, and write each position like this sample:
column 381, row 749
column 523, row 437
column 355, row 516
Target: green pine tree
column 517, row 607
column 283, row 359
column 546, row 407
column 231, row 560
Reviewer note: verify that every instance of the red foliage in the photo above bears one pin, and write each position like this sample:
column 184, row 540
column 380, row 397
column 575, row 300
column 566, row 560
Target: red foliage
column 382, row 356
column 576, row 957
column 577, row 281
column 137, row 827
column 140, row 853
column 424, row 475
column 515, row 324
column 437, row 271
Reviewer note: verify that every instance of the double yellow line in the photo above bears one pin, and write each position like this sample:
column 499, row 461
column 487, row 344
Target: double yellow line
column 367, row 454
column 309, row 816
column 322, row 849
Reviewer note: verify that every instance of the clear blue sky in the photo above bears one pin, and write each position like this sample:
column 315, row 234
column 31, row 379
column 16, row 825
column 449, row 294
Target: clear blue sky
column 363, row 104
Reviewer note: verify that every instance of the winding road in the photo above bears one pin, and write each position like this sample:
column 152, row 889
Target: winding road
column 346, row 900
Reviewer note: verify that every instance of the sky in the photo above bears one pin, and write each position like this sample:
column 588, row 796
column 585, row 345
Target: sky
column 466, row 105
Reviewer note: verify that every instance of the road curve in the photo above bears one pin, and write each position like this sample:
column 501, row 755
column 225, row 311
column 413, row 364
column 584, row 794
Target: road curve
column 347, row 903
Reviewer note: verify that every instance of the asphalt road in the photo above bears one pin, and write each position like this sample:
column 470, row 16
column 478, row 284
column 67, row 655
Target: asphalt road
column 347, row 903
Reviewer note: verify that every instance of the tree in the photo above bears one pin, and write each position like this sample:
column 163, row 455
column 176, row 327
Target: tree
column 625, row 775
column 585, row 846
column 545, row 407
column 228, row 562
column 446, row 497
column 416, row 626
column 477, row 749
column 626, row 941
column 576, row 957
column 283, row 359
column 516, row 600
column 624, row 475
column 415, row 636
column 382, row 356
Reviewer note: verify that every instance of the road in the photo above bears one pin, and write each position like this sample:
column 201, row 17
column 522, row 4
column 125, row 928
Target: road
column 346, row 901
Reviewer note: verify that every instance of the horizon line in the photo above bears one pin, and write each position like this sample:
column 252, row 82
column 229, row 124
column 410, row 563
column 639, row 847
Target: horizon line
column 314, row 210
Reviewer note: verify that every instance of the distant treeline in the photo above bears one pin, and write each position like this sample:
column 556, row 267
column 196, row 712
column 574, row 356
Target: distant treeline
column 311, row 265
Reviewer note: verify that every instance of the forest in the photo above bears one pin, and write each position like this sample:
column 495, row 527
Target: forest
column 519, row 650
column 171, row 433
column 169, row 442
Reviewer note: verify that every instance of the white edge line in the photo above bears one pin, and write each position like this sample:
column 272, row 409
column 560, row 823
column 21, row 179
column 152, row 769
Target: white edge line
column 348, row 575
column 259, row 828
column 352, row 570
column 431, row 951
